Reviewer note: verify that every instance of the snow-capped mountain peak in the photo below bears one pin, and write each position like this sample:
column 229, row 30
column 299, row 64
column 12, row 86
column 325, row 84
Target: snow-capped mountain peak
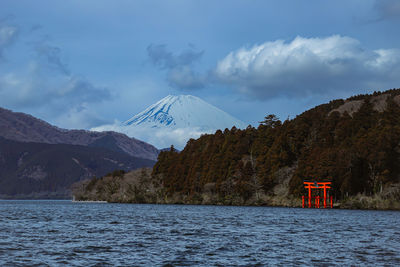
column 174, row 120
column 184, row 111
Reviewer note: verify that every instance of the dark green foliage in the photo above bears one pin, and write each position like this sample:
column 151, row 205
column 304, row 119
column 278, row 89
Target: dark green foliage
column 91, row 184
column 271, row 121
column 116, row 173
column 357, row 150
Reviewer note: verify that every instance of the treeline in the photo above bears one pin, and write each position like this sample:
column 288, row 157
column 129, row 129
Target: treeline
column 353, row 143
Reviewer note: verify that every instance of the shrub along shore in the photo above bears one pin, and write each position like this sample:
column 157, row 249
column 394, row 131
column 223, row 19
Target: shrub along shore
column 140, row 186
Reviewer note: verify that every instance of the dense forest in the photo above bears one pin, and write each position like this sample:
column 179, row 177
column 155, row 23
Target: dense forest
column 354, row 143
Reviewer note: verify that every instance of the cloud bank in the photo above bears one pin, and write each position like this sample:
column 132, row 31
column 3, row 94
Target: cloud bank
column 159, row 137
column 180, row 67
column 308, row 66
column 8, row 35
column 42, row 83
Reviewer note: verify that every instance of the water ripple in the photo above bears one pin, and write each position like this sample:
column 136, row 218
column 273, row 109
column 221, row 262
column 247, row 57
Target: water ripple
column 62, row 233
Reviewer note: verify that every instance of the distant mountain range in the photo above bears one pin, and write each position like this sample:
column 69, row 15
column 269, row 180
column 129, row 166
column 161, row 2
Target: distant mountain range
column 174, row 120
column 26, row 128
column 38, row 160
column 39, row 170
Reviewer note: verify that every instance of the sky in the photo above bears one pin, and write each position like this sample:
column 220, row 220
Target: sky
column 81, row 64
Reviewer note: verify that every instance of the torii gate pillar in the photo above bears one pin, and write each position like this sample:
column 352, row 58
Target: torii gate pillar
column 317, row 185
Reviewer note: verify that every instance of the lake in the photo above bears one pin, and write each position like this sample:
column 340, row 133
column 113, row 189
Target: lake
column 57, row 233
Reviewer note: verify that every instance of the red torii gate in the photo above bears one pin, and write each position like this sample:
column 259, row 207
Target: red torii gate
column 318, row 185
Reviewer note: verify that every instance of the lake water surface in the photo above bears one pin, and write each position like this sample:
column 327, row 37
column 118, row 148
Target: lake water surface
column 55, row 233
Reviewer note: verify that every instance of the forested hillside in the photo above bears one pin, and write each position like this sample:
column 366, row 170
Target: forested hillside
column 354, row 143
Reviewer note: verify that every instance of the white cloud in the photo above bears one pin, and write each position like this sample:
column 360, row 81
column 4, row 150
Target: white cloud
column 159, row 137
column 308, row 65
column 79, row 117
column 8, row 34
column 41, row 84
column 63, row 99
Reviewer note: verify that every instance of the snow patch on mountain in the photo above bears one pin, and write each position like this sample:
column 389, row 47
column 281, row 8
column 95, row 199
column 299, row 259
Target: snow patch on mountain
column 184, row 111
column 174, row 120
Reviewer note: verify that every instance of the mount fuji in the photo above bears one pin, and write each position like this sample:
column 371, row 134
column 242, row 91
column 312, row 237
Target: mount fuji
column 184, row 111
column 174, row 120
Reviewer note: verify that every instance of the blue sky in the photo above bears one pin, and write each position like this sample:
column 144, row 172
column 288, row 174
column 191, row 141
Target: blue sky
column 81, row 64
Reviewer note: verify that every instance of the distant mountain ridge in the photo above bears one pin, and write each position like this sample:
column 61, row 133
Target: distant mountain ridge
column 40, row 170
column 26, row 128
column 38, row 160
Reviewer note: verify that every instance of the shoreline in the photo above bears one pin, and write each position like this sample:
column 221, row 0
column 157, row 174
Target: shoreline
column 336, row 207
column 89, row 201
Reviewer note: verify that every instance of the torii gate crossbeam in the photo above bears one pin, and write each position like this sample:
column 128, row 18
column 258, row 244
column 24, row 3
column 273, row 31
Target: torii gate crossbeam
column 317, row 185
